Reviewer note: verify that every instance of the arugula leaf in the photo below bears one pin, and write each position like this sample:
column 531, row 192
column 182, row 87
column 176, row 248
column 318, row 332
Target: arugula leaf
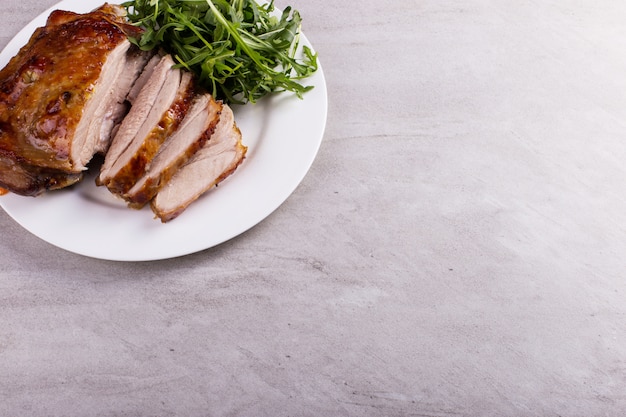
column 241, row 50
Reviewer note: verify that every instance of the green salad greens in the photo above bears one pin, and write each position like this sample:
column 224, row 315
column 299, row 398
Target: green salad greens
column 240, row 50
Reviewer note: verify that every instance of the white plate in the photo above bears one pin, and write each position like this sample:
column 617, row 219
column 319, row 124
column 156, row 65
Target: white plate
column 283, row 135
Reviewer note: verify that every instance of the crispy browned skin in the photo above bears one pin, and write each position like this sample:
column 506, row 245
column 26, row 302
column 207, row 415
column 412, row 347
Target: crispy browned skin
column 28, row 179
column 43, row 90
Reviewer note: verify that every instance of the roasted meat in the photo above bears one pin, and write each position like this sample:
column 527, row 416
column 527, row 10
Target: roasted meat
column 80, row 88
column 218, row 158
column 195, row 130
column 157, row 111
column 62, row 95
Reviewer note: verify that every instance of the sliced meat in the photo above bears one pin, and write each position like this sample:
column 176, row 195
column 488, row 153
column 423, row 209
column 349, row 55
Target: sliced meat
column 80, row 88
column 107, row 106
column 195, row 129
column 146, row 75
column 131, row 165
column 219, row 158
column 142, row 107
column 164, row 115
column 136, row 61
column 58, row 96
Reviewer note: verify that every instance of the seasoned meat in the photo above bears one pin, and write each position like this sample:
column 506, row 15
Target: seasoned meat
column 80, row 88
column 219, row 157
column 146, row 75
column 140, row 110
column 62, row 95
column 195, row 129
column 154, row 117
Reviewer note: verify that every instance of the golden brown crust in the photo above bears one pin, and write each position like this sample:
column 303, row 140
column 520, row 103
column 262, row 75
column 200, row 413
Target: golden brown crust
column 28, row 180
column 112, row 13
column 44, row 88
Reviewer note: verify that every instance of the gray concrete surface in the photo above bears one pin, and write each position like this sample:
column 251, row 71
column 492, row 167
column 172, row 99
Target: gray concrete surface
column 457, row 248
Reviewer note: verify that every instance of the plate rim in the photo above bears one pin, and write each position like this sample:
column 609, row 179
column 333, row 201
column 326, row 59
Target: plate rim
column 321, row 100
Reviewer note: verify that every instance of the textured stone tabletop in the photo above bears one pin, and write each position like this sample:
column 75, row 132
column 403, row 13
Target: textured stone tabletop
column 457, row 248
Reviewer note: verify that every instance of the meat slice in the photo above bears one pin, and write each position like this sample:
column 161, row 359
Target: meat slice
column 80, row 88
column 219, row 158
column 62, row 95
column 142, row 106
column 158, row 110
column 146, row 75
column 107, row 107
column 195, row 129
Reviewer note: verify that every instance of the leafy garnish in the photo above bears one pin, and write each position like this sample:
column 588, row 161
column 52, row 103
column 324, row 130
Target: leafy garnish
column 240, row 50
